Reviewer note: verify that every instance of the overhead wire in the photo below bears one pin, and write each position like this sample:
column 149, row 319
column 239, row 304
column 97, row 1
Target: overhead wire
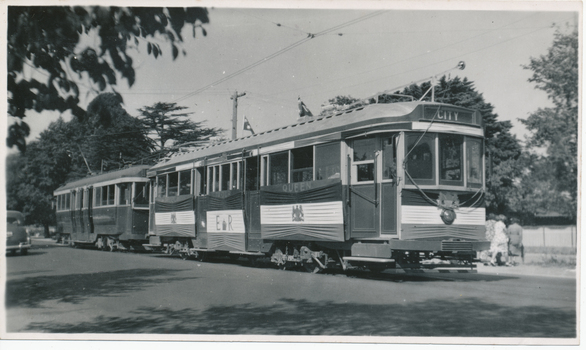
column 378, row 68
column 278, row 53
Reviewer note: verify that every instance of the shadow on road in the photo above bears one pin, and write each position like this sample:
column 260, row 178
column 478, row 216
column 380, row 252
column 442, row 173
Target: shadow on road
column 30, row 252
column 389, row 275
column 468, row 317
column 74, row 288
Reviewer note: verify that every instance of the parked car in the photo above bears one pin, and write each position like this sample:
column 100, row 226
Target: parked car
column 17, row 239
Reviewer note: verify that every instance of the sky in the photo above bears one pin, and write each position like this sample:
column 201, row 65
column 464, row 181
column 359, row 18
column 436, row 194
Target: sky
column 355, row 51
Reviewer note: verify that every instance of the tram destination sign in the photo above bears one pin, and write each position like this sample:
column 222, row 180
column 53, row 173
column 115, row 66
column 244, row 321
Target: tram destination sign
column 451, row 115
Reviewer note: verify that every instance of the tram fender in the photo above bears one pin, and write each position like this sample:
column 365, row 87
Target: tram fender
column 374, row 250
column 154, row 240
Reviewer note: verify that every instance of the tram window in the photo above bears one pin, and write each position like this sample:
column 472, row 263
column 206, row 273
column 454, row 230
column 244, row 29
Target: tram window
column 111, row 194
column 450, row 150
column 67, row 201
column 327, row 161
column 279, row 164
column 225, row 181
column 474, row 160
column 173, row 186
column 161, row 186
column 389, row 158
column 251, row 173
column 98, row 197
column 142, row 194
column 364, row 151
column 420, row 156
column 104, row 195
column 81, row 198
column 234, row 176
column 302, row 164
column 124, row 194
column 185, row 182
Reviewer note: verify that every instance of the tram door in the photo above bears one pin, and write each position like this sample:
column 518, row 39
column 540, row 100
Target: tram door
column 373, row 186
column 80, row 205
column 89, row 219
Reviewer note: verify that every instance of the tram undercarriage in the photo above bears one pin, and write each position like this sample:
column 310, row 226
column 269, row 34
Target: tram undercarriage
column 312, row 257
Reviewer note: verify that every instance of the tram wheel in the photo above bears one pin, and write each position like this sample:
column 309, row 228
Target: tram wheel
column 202, row 256
column 111, row 245
column 312, row 268
column 102, row 244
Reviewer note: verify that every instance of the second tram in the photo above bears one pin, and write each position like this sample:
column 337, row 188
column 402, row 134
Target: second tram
column 108, row 210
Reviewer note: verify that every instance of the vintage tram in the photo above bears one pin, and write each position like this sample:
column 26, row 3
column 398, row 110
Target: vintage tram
column 383, row 185
column 108, row 210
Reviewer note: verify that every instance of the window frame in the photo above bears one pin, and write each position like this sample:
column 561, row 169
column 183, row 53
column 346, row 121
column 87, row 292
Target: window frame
column 434, row 159
column 357, row 163
column 463, row 175
column 466, row 159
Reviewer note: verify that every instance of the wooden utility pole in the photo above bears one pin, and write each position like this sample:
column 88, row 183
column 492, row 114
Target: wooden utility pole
column 234, row 98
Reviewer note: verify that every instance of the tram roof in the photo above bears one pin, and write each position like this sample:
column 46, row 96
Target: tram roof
column 134, row 171
column 343, row 123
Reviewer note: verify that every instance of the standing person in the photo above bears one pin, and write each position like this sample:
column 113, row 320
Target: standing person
column 489, row 234
column 499, row 243
column 515, row 241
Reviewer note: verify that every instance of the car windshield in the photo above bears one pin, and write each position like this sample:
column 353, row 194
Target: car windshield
column 12, row 220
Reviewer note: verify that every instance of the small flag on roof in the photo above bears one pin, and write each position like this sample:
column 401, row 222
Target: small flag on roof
column 247, row 126
column 303, row 110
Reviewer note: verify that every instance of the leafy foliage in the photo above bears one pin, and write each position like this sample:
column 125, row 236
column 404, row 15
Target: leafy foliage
column 171, row 127
column 47, row 39
column 114, row 138
column 552, row 181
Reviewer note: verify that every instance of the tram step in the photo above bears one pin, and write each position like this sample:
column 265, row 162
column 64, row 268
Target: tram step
column 368, row 259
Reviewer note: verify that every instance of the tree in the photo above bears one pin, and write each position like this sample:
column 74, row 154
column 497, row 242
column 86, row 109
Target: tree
column 113, row 137
column 169, row 126
column 37, row 173
column 555, row 129
column 338, row 103
column 47, row 39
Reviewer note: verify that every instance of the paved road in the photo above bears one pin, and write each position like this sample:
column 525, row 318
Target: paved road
column 64, row 290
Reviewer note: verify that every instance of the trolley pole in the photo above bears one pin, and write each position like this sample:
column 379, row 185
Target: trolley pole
column 234, row 98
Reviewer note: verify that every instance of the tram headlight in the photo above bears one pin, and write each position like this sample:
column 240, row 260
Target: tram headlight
column 448, row 216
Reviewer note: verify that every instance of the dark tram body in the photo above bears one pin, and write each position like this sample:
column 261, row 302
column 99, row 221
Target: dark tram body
column 109, row 210
column 385, row 185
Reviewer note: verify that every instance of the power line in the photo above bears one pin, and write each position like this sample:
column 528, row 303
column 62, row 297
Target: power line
column 280, row 52
column 423, row 54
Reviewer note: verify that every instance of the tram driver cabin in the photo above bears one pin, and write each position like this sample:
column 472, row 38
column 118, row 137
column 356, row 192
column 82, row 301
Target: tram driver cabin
column 377, row 186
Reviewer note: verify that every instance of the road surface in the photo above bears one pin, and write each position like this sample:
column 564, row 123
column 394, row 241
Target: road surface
column 64, row 290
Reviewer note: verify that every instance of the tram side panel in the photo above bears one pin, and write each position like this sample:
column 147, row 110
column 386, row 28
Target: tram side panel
column 304, row 211
column 174, row 218
column 105, row 222
column 224, row 215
